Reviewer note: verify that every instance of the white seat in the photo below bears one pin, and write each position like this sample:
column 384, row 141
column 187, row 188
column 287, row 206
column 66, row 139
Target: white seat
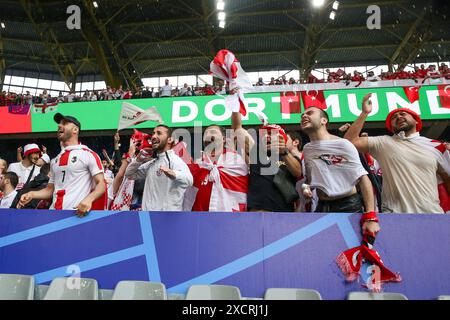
column 291, row 294
column 105, row 294
column 16, row 287
column 376, row 296
column 176, row 296
column 213, row 292
column 72, row 289
column 139, row 290
column 444, row 298
column 40, row 291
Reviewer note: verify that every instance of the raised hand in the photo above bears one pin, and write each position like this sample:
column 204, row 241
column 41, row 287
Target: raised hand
column 367, row 104
column 344, row 127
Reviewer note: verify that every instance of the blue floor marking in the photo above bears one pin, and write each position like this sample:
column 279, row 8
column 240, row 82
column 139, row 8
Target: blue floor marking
column 149, row 247
column 91, row 264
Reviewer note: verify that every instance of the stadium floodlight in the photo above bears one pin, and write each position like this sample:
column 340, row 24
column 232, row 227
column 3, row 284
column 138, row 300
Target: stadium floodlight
column 3, row 25
column 220, row 5
column 222, row 24
column 335, row 5
column 332, row 15
column 95, row 4
column 221, row 16
column 318, row 3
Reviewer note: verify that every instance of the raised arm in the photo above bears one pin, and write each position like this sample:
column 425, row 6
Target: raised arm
column 244, row 141
column 352, row 134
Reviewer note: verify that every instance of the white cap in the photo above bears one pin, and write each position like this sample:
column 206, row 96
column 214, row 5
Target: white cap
column 45, row 158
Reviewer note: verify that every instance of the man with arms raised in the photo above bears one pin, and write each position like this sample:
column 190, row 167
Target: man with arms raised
column 334, row 169
column 411, row 164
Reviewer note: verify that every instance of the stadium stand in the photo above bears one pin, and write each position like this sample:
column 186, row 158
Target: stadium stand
column 182, row 63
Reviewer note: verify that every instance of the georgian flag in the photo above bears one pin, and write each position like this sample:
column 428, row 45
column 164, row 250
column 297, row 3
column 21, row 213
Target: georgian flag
column 225, row 66
column 132, row 115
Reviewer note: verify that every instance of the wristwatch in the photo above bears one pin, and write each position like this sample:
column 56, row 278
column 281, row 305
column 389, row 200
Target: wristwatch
column 285, row 152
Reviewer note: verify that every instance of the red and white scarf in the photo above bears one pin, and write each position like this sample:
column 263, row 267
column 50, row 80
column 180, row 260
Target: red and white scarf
column 351, row 260
column 225, row 66
column 218, row 186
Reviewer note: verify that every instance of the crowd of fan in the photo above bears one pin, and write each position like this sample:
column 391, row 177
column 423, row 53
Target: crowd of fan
column 12, row 98
column 339, row 76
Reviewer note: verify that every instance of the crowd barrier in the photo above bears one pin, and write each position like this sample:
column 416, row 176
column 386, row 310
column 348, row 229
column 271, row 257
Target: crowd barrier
column 253, row 251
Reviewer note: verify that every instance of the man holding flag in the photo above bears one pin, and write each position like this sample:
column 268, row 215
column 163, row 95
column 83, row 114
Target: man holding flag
column 411, row 164
column 262, row 193
column 221, row 173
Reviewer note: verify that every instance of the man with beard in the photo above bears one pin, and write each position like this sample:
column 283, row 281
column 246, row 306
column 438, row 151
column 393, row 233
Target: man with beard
column 221, row 173
column 27, row 169
column 77, row 180
column 274, row 171
column 334, row 169
column 410, row 163
column 8, row 183
column 166, row 175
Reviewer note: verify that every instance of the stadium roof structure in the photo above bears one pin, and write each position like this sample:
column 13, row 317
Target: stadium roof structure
column 126, row 41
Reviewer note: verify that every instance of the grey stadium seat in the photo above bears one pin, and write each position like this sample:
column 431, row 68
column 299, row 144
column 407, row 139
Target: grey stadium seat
column 16, row 287
column 72, row 289
column 376, row 296
column 213, row 292
column 291, row 294
column 139, row 290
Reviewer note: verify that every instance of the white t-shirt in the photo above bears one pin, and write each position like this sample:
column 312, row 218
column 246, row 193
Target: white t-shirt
column 160, row 192
column 72, row 173
column 183, row 91
column 332, row 166
column 409, row 175
column 70, row 97
column 23, row 173
column 166, row 91
column 7, row 200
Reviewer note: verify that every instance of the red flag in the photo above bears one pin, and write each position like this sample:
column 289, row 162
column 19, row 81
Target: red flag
column 314, row 98
column 340, row 72
column 412, row 93
column 290, row 102
column 444, row 95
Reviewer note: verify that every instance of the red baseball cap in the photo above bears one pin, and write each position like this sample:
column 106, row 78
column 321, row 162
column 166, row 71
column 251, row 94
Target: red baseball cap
column 414, row 115
column 276, row 127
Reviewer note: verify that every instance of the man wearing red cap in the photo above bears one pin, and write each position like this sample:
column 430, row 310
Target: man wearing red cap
column 27, row 169
column 334, row 169
column 274, row 171
column 77, row 179
column 410, row 163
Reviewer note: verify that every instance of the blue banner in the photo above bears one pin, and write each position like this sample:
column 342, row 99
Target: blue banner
column 253, row 251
